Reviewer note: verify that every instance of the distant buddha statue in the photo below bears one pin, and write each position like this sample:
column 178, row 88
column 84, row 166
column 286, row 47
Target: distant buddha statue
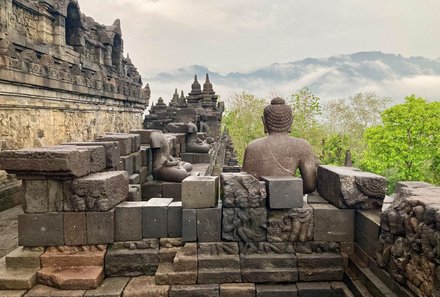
column 165, row 167
column 279, row 154
column 193, row 143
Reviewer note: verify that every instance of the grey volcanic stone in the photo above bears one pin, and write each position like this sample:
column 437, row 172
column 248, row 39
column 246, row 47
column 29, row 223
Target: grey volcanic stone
column 110, row 287
column 124, row 141
column 284, row 192
column 112, row 151
column 42, row 196
column 131, row 262
column 97, row 156
column 280, row 290
column 100, row 227
column 127, row 164
column 155, row 218
column 200, row 192
column 347, row 187
column 98, row 191
column 189, row 225
column 134, row 193
column 333, row 224
column 128, row 221
column 209, row 224
column 242, row 190
column 75, row 228
column 194, row 290
column 60, row 161
column 40, row 229
column 175, row 219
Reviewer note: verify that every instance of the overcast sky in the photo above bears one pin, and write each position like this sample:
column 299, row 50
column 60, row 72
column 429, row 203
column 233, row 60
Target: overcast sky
column 240, row 35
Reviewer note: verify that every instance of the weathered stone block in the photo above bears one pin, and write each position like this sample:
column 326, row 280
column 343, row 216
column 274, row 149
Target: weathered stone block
column 320, row 267
column 218, row 262
column 284, row 191
column 100, row 227
column 75, row 228
column 110, row 287
column 40, row 229
column 242, row 190
column 97, row 156
column 134, row 193
column 333, row 224
column 64, row 161
column 233, row 290
column 347, row 187
column 46, row 291
column 187, row 157
column 155, row 218
column 200, row 192
column 281, row 290
column 137, row 161
column 42, row 196
column 246, row 225
column 269, row 268
column 368, row 230
column 125, row 142
column 189, row 225
column 151, row 189
column 128, row 221
column 314, row 289
column 183, row 268
column 295, row 224
column 145, row 134
column 172, row 190
column 24, row 257
column 147, row 157
column 209, row 224
column 112, row 151
column 72, row 278
column 143, row 175
column 18, row 278
column 135, row 139
column 134, row 179
column 144, row 286
column 73, row 256
column 314, row 198
column 175, row 219
column 136, row 260
column 98, row 191
column 202, row 158
column 127, row 164
column 194, row 290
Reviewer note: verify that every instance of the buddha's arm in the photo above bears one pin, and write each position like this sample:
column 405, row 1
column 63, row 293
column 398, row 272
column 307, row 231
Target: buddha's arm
column 307, row 167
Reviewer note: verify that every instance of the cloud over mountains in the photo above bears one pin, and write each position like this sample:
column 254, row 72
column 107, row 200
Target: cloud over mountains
column 339, row 76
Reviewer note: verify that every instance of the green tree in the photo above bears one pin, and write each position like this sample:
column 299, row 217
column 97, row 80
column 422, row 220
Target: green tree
column 406, row 145
column 306, row 114
column 243, row 120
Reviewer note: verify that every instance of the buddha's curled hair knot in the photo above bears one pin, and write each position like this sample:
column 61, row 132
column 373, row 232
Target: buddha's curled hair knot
column 278, row 116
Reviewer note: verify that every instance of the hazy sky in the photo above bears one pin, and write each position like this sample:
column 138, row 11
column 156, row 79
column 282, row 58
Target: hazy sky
column 239, row 35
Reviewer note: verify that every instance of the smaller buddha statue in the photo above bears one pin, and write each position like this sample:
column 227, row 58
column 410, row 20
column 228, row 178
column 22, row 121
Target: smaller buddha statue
column 193, row 143
column 280, row 154
column 165, row 166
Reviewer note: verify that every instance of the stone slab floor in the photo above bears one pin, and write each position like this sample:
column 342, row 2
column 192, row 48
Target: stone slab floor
column 9, row 229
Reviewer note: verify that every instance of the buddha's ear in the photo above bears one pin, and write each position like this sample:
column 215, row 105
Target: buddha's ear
column 264, row 125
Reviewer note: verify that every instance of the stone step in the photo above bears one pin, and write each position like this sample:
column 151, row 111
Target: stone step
column 16, row 279
column 12, row 293
column 24, row 258
column 45, row 291
column 72, row 278
column 214, row 262
column 374, row 285
column 218, row 276
column 355, row 286
column 262, row 261
column 166, row 275
column 73, row 257
column 270, row 275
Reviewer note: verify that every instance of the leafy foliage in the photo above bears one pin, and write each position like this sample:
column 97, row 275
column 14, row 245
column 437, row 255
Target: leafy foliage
column 406, row 145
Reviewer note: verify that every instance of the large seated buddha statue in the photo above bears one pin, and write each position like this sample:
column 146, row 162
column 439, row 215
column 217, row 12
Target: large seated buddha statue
column 280, row 154
column 165, row 166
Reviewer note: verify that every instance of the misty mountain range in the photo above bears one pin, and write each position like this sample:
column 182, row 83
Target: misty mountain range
column 340, row 76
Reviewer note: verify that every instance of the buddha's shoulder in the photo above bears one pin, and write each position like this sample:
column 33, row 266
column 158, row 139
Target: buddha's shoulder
column 257, row 143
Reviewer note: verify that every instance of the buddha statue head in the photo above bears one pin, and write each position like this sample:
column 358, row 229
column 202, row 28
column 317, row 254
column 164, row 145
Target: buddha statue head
column 277, row 117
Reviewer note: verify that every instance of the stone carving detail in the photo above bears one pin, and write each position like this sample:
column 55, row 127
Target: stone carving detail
column 24, row 22
column 218, row 248
column 409, row 242
column 294, row 224
column 267, row 248
column 242, row 190
column 247, row 225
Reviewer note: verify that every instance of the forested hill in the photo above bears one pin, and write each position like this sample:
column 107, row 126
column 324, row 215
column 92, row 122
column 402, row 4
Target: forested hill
column 338, row 76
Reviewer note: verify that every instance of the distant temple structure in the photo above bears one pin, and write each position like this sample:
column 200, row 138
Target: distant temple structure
column 200, row 107
column 63, row 76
